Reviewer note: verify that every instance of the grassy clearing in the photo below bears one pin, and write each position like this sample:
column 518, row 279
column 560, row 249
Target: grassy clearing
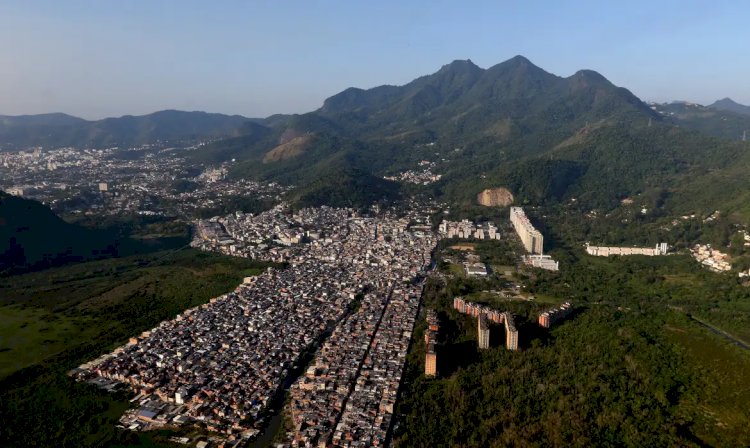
column 29, row 335
column 457, row 270
column 720, row 405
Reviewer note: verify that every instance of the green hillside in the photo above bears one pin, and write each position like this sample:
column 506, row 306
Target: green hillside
column 710, row 120
column 32, row 237
column 727, row 104
column 549, row 139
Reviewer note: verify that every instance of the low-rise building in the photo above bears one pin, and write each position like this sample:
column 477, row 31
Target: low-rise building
column 548, row 317
column 606, row 251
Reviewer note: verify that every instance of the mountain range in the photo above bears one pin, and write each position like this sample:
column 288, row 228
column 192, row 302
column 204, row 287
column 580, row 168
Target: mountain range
column 546, row 138
column 711, row 120
column 60, row 130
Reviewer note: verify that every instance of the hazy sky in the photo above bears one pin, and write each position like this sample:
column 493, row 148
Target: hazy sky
column 108, row 58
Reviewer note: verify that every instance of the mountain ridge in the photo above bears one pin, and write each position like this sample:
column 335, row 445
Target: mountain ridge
column 727, row 104
column 58, row 129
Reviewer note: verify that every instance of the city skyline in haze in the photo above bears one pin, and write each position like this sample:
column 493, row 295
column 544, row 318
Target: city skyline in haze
column 102, row 59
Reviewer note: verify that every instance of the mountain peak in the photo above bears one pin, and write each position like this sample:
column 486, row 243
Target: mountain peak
column 590, row 77
column 461, row 63
column 726, row 101
column 518, row 64
column 460, row 66
column 519, row 59
column 728, row 104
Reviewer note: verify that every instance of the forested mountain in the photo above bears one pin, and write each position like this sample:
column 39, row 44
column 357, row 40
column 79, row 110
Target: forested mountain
column 547, row 138
column 727, row 104
column 58, row 130
column 708, row 120
column 461, row 100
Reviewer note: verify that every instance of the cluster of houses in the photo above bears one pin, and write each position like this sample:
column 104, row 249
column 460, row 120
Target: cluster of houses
column 348, row 394
column 425, row 176
column 711, row 258
column 222, row 364
column 266, row 236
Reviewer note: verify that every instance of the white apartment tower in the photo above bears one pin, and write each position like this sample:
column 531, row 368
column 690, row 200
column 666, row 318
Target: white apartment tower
column 531, row 238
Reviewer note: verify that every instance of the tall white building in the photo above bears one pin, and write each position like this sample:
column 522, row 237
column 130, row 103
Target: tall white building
column 511, row 334
column 531, row 238
column 483, row 331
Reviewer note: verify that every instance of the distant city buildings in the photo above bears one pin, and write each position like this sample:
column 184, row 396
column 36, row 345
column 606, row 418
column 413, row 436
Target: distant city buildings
column 532, row 239
column 64, row 179
column 603, row 251
column 548, row 317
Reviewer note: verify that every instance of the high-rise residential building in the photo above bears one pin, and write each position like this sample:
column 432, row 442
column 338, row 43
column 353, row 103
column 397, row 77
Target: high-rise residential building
column 549, row 317
column 430, row 361
column 483, row 331
column 511, row 334
column 430, row 339
column 459, row 304
column 532, row 239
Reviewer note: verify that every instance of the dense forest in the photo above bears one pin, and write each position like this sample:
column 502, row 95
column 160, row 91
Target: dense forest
column 629, row 368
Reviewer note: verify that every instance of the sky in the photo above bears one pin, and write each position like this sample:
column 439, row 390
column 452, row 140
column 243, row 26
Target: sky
column 96, row 59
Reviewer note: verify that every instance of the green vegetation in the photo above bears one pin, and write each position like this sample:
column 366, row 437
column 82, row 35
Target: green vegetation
column 548, row 139
column 29, row 335
column 32, row 237
column 710, row 120
column 629, row 368
column 87, row 309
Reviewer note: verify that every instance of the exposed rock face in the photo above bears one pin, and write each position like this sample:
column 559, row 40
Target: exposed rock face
column 290, row 149
column 495, row 197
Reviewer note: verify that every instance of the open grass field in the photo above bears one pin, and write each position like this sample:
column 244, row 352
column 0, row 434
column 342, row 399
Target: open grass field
column 721, row 404
column 29, row 335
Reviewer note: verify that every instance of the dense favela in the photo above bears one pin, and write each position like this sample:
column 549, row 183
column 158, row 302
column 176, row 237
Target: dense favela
column 353, row 287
